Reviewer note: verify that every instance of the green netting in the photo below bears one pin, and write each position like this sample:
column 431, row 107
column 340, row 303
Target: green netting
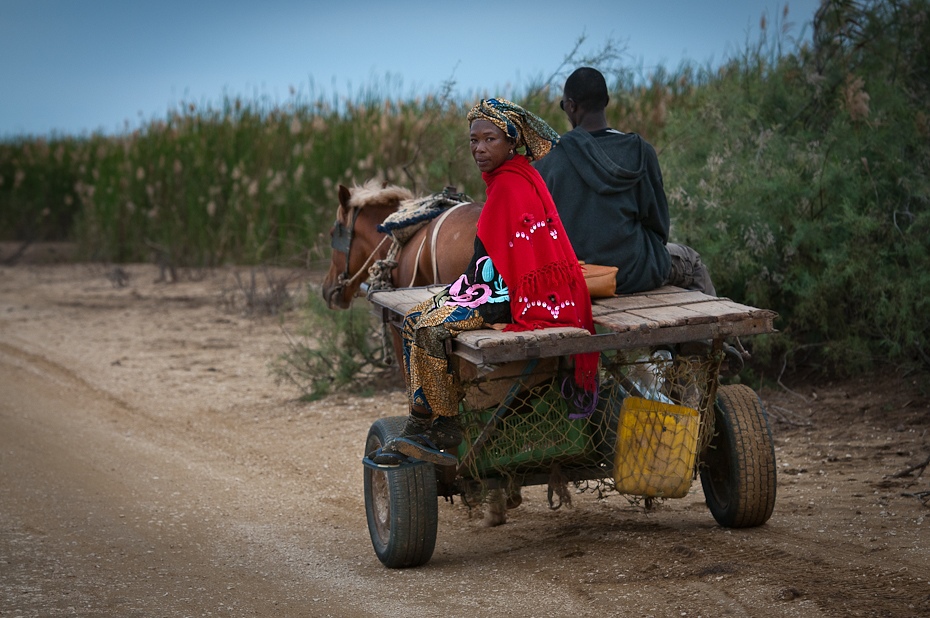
column 519, row 428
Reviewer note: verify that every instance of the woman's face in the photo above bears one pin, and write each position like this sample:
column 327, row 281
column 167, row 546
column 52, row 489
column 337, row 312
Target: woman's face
column 489, row 145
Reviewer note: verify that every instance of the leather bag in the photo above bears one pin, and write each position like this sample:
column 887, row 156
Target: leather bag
column 601, row 280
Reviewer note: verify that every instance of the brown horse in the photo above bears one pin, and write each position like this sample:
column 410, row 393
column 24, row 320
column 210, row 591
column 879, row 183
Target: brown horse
column 357, row 243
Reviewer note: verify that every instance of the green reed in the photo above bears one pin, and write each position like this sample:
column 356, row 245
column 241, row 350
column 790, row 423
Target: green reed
column 799, row 171
column 243, row 181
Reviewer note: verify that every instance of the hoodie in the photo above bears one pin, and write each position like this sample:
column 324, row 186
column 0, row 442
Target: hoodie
column 608, row 190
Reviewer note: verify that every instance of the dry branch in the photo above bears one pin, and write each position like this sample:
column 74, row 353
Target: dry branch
column 907, row 471
column 923, row 496
column 782, row 416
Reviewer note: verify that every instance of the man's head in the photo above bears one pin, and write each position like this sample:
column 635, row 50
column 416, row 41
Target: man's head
column 585, row 92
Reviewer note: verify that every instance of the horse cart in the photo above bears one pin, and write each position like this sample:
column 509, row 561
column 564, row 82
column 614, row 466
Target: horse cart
column 661, row 419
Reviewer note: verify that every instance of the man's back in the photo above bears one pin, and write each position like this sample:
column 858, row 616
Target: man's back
column 607, row 186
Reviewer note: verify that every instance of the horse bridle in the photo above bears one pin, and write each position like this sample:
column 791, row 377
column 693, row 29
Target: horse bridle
column 342, row 241
column 342, row 236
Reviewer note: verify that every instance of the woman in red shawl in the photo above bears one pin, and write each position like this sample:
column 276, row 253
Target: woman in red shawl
column 523, row 273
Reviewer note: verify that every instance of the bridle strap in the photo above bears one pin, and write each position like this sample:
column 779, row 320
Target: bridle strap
column 342, row 241
column 365, row 265
column 416, row 262
column 342, row 237
column 434, row 241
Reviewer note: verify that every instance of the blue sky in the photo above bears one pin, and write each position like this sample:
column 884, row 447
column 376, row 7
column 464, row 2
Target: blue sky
column 78, row 66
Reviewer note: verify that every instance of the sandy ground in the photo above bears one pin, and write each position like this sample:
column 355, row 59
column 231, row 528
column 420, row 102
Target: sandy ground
column 150, row 466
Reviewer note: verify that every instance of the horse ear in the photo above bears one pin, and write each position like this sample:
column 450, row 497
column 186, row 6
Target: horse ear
column 344, row 195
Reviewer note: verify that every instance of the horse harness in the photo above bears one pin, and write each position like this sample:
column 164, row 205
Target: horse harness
column 433, row 241
column 380, row 271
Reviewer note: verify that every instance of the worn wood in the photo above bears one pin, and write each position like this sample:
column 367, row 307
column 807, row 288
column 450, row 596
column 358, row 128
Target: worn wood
column 727, row 310
column 622, row 322
column 663, row 298
column 667, row 315
column 402, row 300
column 478, row 346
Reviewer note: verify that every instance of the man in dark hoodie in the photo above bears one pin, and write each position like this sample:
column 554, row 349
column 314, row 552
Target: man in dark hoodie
column 607, row 187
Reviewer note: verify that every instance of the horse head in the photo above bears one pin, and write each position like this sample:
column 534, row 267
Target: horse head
column 355, row 239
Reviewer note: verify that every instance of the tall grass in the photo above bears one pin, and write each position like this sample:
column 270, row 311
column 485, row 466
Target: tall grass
column 800, row 172
column 240, row 182
column 37, row 180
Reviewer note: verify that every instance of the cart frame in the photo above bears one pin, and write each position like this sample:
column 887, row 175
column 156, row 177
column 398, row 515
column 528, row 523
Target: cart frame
column 737, row 462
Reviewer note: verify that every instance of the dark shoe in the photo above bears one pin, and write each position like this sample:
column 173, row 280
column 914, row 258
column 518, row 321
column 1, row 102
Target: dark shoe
column 444, row 434
column 421, row 447
column 416, row 424
column 421, row 439
column 387, row 456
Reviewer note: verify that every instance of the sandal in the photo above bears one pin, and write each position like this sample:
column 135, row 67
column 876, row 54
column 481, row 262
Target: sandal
column 421, row 447
column 387, row 458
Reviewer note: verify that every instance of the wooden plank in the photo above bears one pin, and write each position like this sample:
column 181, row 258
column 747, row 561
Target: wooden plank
column 671, row 296
column 669, row 316
column 598, row 310
column 633, row 338
column 666, row 316
column 626, row 303
column 704, row 311
column 487, row 346
column 665, row 289
column 622, row 322
column 727, row 310
column 404, row 299
column 486, row 337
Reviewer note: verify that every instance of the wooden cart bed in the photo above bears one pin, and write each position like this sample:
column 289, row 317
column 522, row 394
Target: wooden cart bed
column 663, row 316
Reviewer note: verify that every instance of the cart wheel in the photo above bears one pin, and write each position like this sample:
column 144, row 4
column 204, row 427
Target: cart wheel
column 738, row 466
column 400, row 503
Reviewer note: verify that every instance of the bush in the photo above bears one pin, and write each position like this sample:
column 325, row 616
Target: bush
column 334, row 349
column 803, row 181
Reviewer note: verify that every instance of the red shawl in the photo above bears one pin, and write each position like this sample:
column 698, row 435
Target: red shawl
column 522, row 233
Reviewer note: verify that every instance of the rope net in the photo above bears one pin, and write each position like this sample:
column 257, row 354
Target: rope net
column 652, row 419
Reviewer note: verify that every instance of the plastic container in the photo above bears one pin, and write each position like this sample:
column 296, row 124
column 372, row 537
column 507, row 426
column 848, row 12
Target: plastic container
column 656, row 448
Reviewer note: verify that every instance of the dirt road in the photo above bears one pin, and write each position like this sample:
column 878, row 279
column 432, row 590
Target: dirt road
column 150, row 466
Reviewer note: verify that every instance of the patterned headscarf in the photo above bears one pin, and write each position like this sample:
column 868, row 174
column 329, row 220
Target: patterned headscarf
column 525, row 127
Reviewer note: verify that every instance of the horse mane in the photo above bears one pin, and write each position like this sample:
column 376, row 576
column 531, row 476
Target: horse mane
column 376, row 192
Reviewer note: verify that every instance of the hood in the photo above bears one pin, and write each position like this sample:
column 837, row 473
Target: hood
column 596, row 167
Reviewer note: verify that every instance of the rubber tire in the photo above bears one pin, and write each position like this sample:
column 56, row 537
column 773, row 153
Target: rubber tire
column 401, row 504
column 738, row 472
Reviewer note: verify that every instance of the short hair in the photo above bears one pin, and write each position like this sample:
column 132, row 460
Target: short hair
column 588, row 88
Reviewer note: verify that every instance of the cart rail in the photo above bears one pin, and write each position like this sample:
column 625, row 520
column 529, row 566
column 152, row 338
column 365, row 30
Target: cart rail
column 665, row 316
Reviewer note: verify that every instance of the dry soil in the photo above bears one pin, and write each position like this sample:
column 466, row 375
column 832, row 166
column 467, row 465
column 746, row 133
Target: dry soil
column 151, row 466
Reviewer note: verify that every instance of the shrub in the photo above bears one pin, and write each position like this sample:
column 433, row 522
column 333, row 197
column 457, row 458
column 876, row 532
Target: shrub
column 803, row 180
column 334, row 349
